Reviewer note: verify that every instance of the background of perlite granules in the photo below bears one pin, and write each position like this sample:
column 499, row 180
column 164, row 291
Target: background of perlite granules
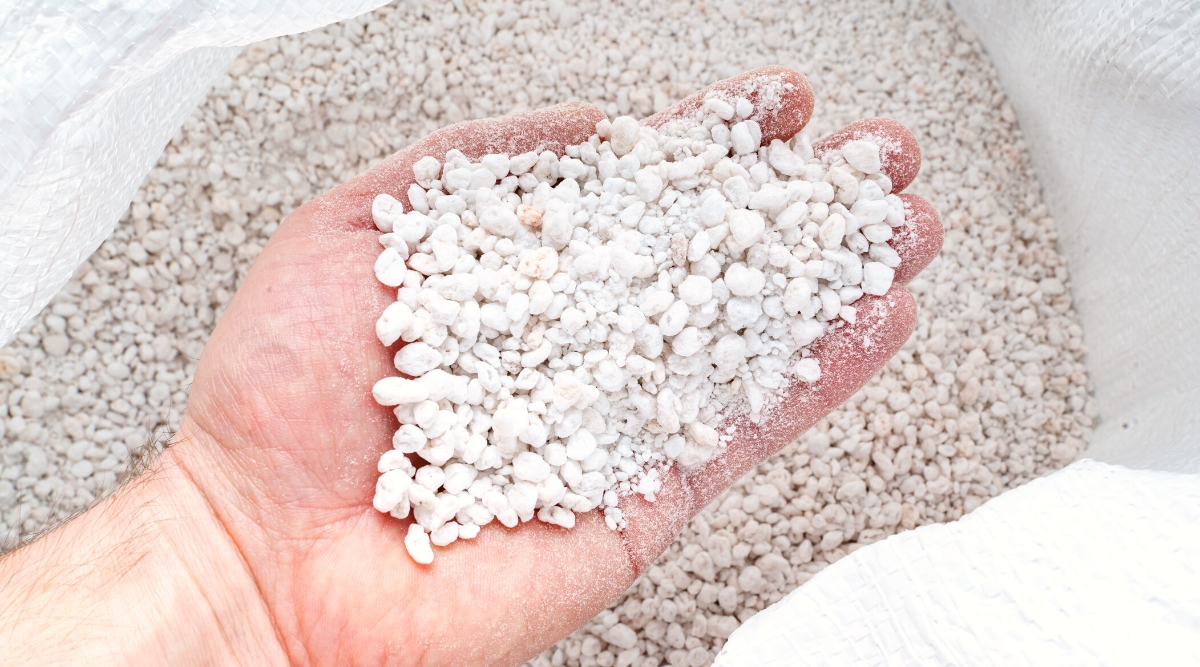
column 989, row 393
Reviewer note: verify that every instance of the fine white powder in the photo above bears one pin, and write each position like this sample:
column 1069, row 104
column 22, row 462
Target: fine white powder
column 575, row 325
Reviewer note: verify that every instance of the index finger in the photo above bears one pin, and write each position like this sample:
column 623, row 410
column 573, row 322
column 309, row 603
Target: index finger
column 782, row 99
column 848, row 356
column 549, row 129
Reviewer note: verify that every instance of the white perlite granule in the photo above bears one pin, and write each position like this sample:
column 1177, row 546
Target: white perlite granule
column 576, row 325
column 989, row 392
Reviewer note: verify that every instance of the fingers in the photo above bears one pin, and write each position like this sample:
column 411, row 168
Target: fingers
column 899, row 154
column 920, row 238
column 848, row 356
column 782, row 99
column 550, row 129
column 917, row 241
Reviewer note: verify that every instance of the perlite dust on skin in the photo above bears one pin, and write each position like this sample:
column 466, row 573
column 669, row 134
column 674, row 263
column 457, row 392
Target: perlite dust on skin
column 576, row 325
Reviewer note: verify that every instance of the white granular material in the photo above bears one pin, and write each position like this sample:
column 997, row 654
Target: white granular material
column 989, row 392
column 561, row 365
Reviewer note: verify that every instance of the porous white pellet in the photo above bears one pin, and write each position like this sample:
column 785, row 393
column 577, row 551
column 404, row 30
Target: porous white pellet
column 417, row 544
column 399, row 391
column 808, row 370
column 862, row 155
column 877, row 278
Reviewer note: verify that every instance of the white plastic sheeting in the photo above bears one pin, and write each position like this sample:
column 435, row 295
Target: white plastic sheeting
column 1094, row 565
column 1107, row 93
column 90, row 93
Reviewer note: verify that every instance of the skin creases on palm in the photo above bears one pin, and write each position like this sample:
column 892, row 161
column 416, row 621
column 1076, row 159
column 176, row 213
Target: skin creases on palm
column 282, row 434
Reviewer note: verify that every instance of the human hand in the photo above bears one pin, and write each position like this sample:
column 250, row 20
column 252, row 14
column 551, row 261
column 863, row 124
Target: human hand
column 281, row 436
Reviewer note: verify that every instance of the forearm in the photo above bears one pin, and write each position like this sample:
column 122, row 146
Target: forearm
column 148, row 576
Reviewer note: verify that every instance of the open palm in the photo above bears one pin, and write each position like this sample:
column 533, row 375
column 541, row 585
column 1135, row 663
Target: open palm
column 282, row 435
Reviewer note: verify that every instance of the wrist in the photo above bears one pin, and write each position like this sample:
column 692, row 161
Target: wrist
column 148, row 576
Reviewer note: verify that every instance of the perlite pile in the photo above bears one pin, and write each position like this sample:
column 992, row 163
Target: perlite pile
column 575, row 325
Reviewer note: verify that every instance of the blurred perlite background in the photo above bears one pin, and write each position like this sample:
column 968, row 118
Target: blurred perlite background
column 989, row 393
